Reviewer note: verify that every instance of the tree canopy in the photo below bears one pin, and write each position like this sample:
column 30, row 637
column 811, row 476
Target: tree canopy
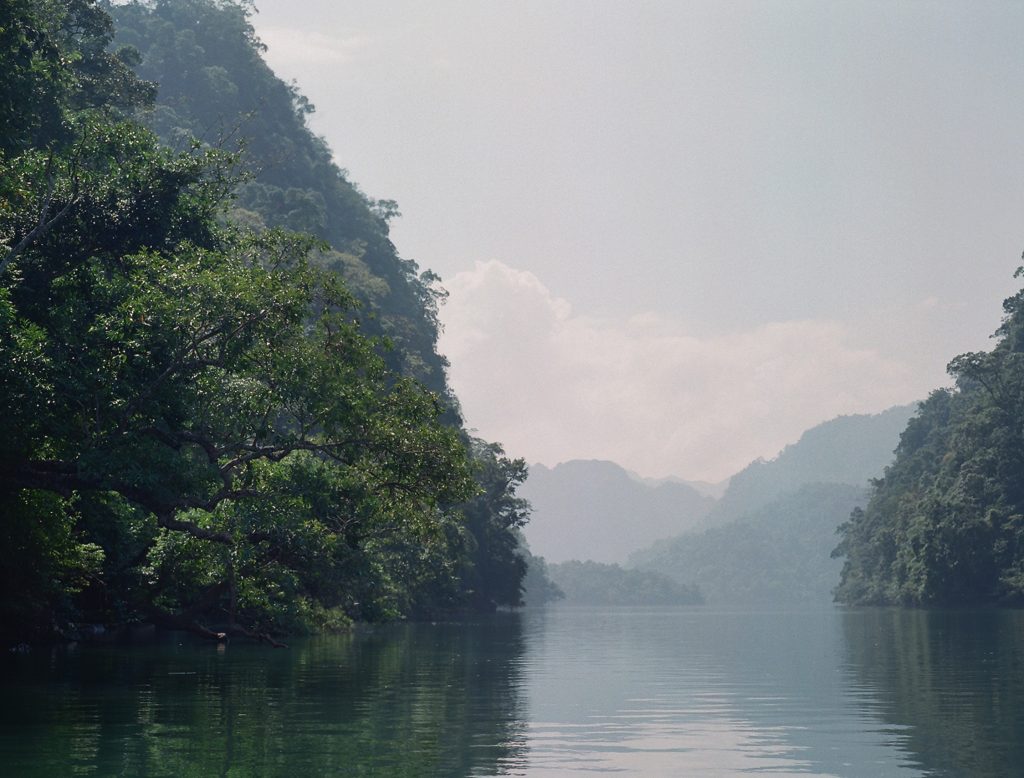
column 214, row 86
column 945, row 524
column 204, row 425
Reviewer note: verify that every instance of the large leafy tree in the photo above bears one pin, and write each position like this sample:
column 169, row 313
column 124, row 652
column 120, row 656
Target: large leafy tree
column 215, row 85
column 195, row 426
column 495, row 566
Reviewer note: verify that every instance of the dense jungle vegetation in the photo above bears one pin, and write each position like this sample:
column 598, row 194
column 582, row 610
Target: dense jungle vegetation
column 945, row 524
column 220, row 395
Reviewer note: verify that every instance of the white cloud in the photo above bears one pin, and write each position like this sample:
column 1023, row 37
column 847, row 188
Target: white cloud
column 288, row 47
column 552, row 385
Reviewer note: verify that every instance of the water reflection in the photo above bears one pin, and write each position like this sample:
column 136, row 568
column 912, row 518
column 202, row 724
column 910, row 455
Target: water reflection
column 568, row 691
column 404, row 700
column 677, row 692
column 952, row 681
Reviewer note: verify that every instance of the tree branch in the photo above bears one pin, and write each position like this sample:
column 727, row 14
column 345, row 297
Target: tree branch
column 44, row 224
column 167, row 520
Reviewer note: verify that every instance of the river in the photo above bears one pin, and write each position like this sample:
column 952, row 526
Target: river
column 551, row 692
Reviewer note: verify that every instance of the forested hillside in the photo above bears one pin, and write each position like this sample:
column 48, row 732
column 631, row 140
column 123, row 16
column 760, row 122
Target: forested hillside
column 945, row 525
column 778, row 554
column 215, row 88
column 768, row 540
column 204, row 424
column 845, row 450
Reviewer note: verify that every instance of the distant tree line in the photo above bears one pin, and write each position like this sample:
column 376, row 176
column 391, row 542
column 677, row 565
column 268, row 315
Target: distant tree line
column 595, row 583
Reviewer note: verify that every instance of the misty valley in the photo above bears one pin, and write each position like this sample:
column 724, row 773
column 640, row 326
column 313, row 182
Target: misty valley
column 248, row 526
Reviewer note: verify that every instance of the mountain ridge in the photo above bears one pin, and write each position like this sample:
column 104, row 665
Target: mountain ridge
column 769, row 540
column 595, row 509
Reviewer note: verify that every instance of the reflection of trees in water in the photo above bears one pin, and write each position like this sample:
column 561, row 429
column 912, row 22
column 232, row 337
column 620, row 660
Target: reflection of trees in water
column 955, row 679
column 404, row 700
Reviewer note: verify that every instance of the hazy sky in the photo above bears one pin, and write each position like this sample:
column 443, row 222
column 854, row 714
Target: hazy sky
column 678, row 234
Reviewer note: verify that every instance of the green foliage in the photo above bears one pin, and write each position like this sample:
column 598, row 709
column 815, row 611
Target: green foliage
column 495, row 565
column 486, row 563
column 55, row 58
column 215, row 86
column 945, row 523
column 198, row 426
column 42, row 562
column 594, row 583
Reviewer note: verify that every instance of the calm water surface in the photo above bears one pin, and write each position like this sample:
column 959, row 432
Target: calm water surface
column 566, row 691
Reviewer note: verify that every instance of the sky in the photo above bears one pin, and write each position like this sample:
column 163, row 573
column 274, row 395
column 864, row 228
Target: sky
column 677, row 234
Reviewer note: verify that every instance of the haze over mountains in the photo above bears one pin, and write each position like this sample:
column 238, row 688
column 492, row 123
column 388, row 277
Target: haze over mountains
column 846, row 450
column 768, row 537
column 596, row 510
column 778, row 554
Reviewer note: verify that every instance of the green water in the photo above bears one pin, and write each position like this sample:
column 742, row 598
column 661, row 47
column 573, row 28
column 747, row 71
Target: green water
column 566, row 691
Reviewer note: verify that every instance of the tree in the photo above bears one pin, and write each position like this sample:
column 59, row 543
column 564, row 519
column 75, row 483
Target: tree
column 199, row 399
column 209, row 423
column 495, row 568
column 945, row 525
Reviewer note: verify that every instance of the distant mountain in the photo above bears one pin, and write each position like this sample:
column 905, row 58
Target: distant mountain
column 592, row 509
column 779, row 554
column 708, row 489
column 769, row 539
column 846, row 450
